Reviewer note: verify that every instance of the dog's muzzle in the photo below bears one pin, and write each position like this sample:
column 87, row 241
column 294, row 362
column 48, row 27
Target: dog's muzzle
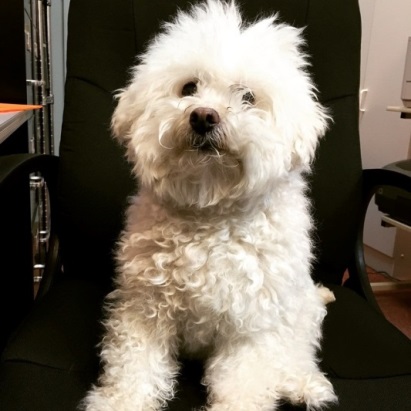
column 203, row 121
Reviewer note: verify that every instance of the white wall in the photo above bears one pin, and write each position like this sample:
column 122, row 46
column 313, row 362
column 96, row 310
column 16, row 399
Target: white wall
column 386, row 27
column 59, row 12
column 385, row 137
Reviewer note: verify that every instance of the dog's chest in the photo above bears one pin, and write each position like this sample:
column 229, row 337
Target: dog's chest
column 208, row 259
column 213, row 277
column 219, row 273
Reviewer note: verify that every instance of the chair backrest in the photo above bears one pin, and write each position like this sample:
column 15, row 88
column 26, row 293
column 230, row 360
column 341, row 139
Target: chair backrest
column 104, row 36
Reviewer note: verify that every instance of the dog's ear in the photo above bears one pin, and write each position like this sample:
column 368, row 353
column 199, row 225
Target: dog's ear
column 300, row 119
column 127, row 111
column 311, row 121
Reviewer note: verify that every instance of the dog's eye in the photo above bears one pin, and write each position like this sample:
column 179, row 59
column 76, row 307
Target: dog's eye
column 189, row 89
column 249, row 97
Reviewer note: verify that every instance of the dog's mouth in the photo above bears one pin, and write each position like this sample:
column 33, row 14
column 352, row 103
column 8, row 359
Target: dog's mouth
column 206, row 143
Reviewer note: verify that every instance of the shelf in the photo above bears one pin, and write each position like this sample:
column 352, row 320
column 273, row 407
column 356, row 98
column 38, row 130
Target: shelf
column 394, row 223
column 405, row 111
column 399, row 109
column 10, row 122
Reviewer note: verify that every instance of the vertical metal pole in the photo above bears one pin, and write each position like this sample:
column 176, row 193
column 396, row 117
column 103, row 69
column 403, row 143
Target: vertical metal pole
column 50, row 97
column 44, row 78
column 43, row 128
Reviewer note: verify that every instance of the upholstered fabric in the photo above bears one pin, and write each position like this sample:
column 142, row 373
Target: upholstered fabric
column 95, row 178
column 52, row 360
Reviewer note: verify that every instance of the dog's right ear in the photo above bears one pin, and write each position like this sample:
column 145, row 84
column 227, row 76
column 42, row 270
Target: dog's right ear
column 126, row 113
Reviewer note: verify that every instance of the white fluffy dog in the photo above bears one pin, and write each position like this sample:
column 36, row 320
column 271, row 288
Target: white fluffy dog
column 220, row 122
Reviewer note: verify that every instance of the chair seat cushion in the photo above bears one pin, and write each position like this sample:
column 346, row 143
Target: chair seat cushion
column 52, row 360
column 360, row 343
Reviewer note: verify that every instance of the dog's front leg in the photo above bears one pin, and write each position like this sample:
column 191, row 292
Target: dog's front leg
column 239, row 377
column 138, row 354
column 252, row 373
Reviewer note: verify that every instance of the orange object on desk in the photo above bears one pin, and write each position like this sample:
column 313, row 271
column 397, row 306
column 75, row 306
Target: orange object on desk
column 6, row 108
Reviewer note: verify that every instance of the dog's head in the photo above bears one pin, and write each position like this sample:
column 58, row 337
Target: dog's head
column 219, row 110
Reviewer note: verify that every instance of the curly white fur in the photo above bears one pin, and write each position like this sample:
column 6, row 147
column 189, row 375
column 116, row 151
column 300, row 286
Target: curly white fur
column 215, row 257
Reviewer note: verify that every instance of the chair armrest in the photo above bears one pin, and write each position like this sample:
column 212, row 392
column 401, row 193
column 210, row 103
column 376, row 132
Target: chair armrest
column 15, row 166
column 373, row 179
column 16, row 251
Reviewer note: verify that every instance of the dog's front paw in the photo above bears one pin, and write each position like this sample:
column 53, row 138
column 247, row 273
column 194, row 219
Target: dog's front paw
column 243, row 406
column 106, row 399
column 326, row 294
column 236, row 407
column 317, row 392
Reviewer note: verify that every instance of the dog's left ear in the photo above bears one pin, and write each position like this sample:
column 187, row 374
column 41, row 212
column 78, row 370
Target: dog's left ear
column 300, row 118
column 128, row 110
column 310, row 123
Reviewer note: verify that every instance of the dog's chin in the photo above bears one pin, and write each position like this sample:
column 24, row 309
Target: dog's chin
column 204, row 174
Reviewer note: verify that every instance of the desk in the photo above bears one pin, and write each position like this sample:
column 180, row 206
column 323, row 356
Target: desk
column 10, row 122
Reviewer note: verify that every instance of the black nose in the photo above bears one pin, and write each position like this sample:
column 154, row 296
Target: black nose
column 203, row 119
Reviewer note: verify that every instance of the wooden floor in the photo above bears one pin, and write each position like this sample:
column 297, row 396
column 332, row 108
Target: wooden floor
column 395, row 303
